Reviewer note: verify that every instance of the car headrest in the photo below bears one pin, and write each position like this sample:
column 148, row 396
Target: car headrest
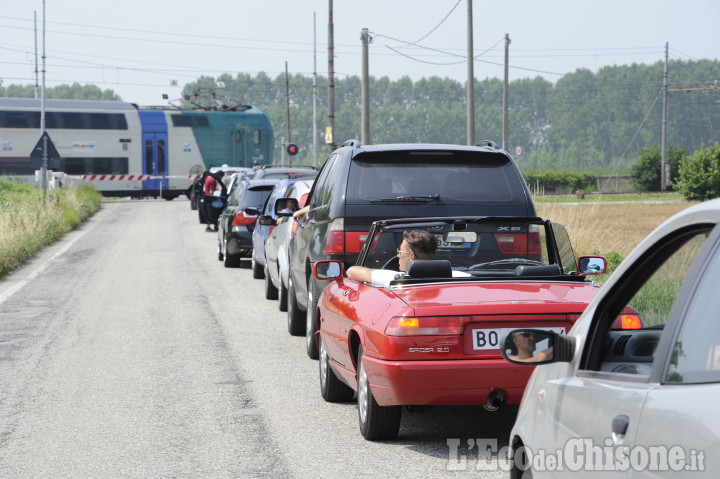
column 429, row 268
column 542, row 270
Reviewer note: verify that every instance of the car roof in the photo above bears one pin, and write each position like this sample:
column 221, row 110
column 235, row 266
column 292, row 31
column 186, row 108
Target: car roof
column 483, row 146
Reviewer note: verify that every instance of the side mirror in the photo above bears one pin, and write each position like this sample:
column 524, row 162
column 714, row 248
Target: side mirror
column 592, row 265
column 537, row 346
column 327, row 270
column 266, row 220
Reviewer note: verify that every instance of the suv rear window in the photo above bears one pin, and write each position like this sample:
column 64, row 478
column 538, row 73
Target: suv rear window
column 457, row 177
column 257, row 195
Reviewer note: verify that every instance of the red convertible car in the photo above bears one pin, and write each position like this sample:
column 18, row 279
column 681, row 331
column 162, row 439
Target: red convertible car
column 432, row 336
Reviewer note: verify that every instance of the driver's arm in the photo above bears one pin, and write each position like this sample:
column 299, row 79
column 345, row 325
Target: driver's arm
column 361, row 274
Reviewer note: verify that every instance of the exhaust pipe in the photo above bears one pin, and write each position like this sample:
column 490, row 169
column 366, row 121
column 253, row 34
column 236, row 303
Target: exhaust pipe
column 494, row 400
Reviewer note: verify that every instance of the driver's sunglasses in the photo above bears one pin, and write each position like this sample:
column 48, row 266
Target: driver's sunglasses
column 406, row 252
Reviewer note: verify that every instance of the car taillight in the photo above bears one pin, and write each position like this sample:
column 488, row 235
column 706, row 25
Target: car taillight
column 335, row 239
column 427, row 326
column 293, row 227
column 630, row 321
column 339, row 241
column 303, row 200
column 518, row 243
column 241, row 220
column 270, row 230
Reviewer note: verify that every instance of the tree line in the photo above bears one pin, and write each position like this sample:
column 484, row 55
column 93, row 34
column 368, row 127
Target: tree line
column 585, row 121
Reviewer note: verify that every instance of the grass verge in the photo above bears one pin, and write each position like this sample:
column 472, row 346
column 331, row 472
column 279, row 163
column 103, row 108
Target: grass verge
column 27, row 224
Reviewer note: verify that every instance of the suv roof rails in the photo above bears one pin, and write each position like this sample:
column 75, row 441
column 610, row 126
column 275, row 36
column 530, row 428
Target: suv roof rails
column 489, row 143
column 352, row 143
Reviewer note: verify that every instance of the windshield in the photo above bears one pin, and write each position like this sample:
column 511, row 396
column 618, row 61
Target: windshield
column 479, row 247
column 434, row 177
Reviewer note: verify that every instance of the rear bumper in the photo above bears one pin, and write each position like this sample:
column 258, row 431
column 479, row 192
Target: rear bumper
column 461, row 382
column 240, row 244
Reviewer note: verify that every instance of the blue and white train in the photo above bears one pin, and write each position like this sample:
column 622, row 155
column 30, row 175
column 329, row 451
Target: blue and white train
column 125, row 150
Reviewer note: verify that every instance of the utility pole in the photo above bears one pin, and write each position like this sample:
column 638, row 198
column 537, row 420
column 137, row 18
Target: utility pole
column 365, row 92
column 314, row 115
column 42, row 112
column 331, row 79
column 470, row 78
column 664, row 180
column 505, row 95
column 287, row 109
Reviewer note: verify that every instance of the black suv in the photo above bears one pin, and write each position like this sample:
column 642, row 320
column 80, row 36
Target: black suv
column 358, row 185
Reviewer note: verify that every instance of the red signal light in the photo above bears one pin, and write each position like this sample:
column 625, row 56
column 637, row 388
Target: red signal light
column 292, row 149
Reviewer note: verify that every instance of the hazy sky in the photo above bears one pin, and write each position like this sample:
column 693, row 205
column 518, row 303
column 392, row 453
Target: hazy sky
column 138, row 48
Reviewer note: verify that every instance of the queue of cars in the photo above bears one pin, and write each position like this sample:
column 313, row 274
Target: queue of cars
column 503, row 294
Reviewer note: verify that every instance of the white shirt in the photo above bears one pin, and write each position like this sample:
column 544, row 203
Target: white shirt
column 381, row 277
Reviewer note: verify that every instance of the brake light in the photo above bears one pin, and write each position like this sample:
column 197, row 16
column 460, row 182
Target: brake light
column 241, row 220
column 270, row 230
column 303, row 200
column 339, row 241
column 293, row 227
column 518, row 243
column 427, row 326
column 335, row 239
column 630, row 321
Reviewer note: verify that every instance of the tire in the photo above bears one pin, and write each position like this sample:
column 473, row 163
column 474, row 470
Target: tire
column 258, row 272
column 296, row 318
column 231, row 260
column 271, row 291
column 221, row 256
column 310, row 323
column 331, row 388
column 376, row 422
column 282, row 295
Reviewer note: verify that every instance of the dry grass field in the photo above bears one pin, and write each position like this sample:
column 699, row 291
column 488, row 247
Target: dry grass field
column 608, row 226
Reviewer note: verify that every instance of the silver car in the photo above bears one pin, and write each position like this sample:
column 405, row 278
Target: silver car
column 276, row 246
column 631, row 403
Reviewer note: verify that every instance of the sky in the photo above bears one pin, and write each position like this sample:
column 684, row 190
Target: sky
column 144, row 49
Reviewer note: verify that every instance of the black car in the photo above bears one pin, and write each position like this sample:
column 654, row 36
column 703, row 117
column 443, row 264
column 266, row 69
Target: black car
column 237, row 221
column 358, row 185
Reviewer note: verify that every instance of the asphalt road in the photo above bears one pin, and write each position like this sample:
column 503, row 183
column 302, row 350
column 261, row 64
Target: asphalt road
column 128, row 350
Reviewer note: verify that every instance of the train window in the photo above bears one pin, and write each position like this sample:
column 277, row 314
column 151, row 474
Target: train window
column 161, row 157
column 72, row 121
column 95, row 166
column 201, row 121
column 16, row 119
column 182, row 120
column 99, row 121
column 256, row 137
column 148, row 157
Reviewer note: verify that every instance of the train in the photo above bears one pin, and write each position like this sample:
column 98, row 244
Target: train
column 127, row 150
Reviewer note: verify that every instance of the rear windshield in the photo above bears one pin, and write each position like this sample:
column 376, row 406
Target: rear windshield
column 456, row 177
column 257, row 195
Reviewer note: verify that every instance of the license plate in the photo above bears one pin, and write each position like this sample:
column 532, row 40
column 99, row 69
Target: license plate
column 486, row 338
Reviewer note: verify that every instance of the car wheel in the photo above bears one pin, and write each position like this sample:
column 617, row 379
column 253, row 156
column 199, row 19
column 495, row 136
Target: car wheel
column 296, row 319
column 282, row 295
column 376, row 422
column 271, row 291
column 310, row 324
column 331, row 388
column 231, row 260
column 221, row 256
column 258, row 272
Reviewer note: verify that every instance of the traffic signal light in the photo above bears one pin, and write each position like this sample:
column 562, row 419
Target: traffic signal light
column 292, row 149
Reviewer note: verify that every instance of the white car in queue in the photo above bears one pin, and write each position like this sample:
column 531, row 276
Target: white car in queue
column 631, row 403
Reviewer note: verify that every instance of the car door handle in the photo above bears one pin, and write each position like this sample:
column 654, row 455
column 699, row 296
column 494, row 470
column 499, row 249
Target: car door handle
column 619, row 428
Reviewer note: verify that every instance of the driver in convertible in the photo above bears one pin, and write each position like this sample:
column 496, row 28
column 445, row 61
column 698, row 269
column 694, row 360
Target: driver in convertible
column 416, row 244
